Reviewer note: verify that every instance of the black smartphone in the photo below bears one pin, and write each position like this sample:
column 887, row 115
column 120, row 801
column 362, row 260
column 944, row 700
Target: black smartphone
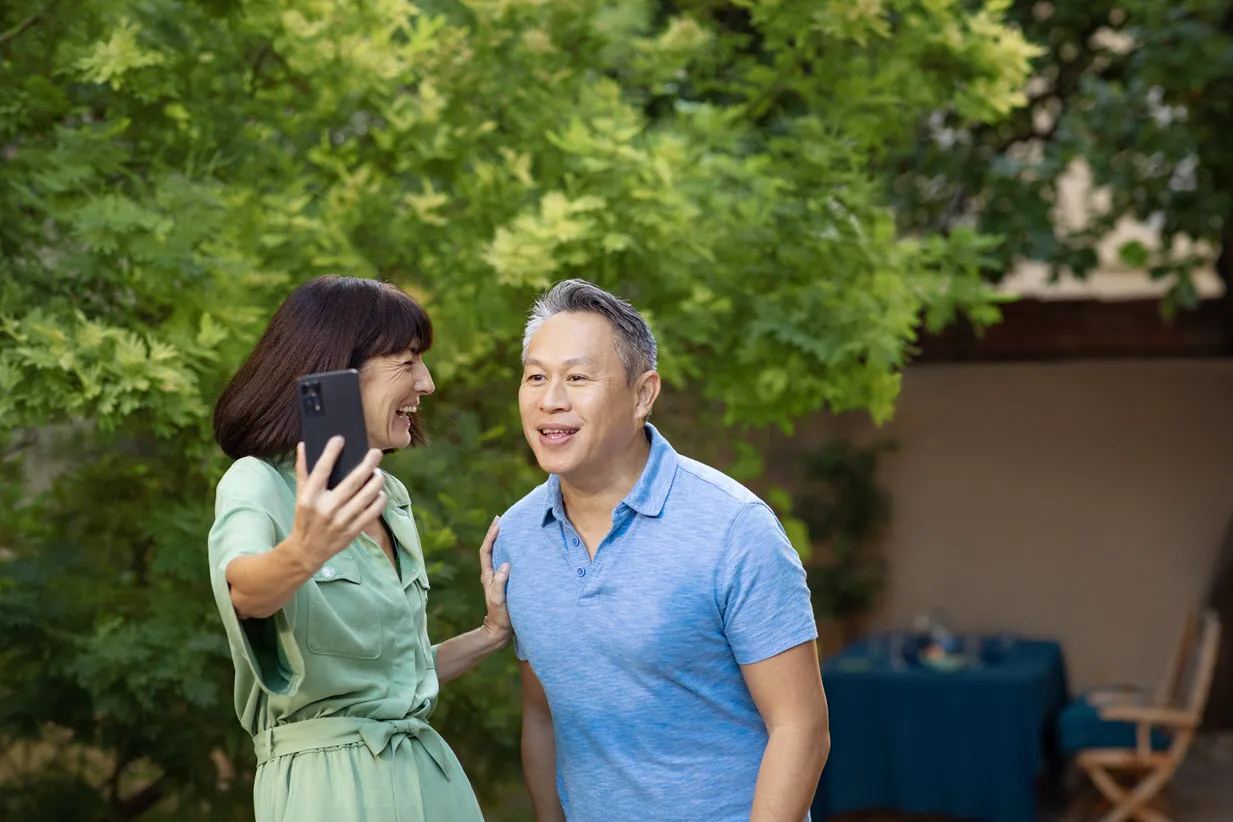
column 330, row 406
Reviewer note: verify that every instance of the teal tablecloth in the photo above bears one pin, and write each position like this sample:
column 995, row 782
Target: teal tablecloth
column 968, row 744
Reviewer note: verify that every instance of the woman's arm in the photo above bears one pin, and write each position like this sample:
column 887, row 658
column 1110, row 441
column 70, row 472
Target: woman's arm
column 261, row 584
column 462, row 653
column 326, row 522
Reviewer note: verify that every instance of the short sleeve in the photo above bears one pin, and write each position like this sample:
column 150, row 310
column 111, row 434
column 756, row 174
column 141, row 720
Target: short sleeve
column 500, row 556
column 763, row 597
column 243, row 526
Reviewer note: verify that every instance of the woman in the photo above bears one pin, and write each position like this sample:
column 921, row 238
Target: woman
column 323, row 592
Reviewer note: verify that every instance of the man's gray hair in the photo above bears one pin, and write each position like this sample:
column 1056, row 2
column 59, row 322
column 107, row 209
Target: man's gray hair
column 635, row 344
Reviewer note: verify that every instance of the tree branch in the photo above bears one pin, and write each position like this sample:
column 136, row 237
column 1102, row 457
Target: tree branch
column 113, row 782
column 21, row 27
column 255, row 71
column 1069, row 77
column 27, row 438
column 140, row 802
column 1224, row 270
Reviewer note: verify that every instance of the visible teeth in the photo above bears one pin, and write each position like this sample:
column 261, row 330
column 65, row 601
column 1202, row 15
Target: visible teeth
column 408, row 409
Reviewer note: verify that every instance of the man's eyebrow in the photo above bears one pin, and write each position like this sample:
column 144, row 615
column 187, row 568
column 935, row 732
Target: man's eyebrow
column 569, row 362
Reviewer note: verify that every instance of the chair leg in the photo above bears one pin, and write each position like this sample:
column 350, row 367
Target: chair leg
column 1144, row 797
column 1084, row 804
column 1133, row 803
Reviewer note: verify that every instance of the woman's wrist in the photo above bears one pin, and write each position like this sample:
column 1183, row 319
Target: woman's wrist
column 498, row 638
column 296, row 553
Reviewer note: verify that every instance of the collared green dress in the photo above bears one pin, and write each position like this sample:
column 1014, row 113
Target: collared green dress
column 337, row 687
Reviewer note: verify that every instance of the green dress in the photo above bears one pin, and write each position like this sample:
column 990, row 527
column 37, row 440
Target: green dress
column 337, row 687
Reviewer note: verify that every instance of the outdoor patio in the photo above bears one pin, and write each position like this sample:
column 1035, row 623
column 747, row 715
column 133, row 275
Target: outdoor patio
column 1201, row 792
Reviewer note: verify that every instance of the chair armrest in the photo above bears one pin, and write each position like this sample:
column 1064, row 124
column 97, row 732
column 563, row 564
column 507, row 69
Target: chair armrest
column 1100, row 697
column 1152, row 715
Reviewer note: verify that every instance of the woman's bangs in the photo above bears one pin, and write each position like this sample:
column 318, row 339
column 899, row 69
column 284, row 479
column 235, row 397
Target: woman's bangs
column 398, row 323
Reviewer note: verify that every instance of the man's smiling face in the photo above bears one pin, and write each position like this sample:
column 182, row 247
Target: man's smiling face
column 578, row 409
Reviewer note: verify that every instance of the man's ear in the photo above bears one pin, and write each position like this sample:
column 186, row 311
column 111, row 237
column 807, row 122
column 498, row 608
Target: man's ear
column 647, row 390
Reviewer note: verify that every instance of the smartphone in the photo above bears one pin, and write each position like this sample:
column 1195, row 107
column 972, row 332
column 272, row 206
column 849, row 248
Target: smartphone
column 330, row 406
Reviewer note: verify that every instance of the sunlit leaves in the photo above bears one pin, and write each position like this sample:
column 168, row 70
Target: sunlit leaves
column 170, row 170
column 109, row 61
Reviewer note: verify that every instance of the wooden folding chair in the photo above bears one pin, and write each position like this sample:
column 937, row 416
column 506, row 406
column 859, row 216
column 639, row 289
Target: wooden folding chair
column 1132, row 778
column 1169, row 691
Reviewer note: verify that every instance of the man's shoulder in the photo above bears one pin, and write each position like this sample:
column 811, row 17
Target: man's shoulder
column 519, row 525
column 529, row 510
column 706, row 485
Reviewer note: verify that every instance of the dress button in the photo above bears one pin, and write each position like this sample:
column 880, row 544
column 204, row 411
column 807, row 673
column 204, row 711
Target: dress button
column 582, row 572
column 327, row 572
column 574, row 542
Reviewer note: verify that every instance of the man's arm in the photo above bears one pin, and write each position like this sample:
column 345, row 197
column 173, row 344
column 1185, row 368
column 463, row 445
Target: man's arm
column 539, row 749
column 787, row 688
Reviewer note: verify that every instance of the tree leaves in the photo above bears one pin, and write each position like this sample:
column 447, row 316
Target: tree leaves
column 1129, row 97
column 108, row 62
column 171, row 169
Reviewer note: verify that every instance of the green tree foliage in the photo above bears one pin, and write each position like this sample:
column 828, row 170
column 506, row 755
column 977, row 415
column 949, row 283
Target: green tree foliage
column 169, row 169
column 1141, row 91
column 844, row 508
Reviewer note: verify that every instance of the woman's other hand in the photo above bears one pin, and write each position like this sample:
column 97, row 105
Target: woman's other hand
column 496, row 621
column 460, row 654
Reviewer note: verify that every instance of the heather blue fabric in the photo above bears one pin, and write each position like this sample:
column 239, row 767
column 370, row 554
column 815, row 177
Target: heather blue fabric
column 639, row 650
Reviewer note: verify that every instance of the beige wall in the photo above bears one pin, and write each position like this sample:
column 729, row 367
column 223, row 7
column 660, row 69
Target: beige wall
column 1082, row 501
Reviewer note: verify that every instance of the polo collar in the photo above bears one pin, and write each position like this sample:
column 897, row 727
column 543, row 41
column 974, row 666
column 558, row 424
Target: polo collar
column 647, row 496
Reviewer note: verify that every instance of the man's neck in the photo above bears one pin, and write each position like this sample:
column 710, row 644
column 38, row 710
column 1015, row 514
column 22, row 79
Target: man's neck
column 593, row 499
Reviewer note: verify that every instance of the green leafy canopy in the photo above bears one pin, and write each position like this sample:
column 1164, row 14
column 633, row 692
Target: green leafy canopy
column 170, row 169
column 1134, row 95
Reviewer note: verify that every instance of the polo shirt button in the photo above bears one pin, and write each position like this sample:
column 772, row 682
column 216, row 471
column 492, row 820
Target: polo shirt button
column 327, row 572
column 582, row 572
column 574, row 542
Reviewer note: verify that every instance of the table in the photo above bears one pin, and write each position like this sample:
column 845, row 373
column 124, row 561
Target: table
column 968, row 744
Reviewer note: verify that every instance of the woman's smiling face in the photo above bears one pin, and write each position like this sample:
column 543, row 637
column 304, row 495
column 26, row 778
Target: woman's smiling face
column 390, row 388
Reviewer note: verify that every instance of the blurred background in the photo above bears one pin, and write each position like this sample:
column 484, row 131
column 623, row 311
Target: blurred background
column 945, row 281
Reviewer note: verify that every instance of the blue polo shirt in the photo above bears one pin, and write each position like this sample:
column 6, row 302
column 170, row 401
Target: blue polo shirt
column 639, row 649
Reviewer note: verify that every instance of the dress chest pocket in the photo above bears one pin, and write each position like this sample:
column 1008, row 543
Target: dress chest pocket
column 344, row 618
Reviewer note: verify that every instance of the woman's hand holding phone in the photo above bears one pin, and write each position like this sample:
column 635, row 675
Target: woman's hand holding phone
column 328, row 520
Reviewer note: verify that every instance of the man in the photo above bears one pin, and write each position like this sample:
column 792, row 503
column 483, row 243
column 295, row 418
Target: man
column 661, row 616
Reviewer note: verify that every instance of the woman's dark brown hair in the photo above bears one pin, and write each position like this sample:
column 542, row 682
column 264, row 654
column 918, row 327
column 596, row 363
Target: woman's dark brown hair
column 326, row 324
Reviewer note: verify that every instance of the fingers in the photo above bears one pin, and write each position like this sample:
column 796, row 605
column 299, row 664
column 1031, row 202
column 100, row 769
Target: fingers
column 320, row 475
column 357, row 507
column 370, row 513
column 486, row 549
column 494, row 591
column 301, row 466
column 362, row 474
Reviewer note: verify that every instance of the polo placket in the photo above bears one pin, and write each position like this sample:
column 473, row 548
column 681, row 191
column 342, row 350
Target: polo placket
column 581, row 566
column 588, row 572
